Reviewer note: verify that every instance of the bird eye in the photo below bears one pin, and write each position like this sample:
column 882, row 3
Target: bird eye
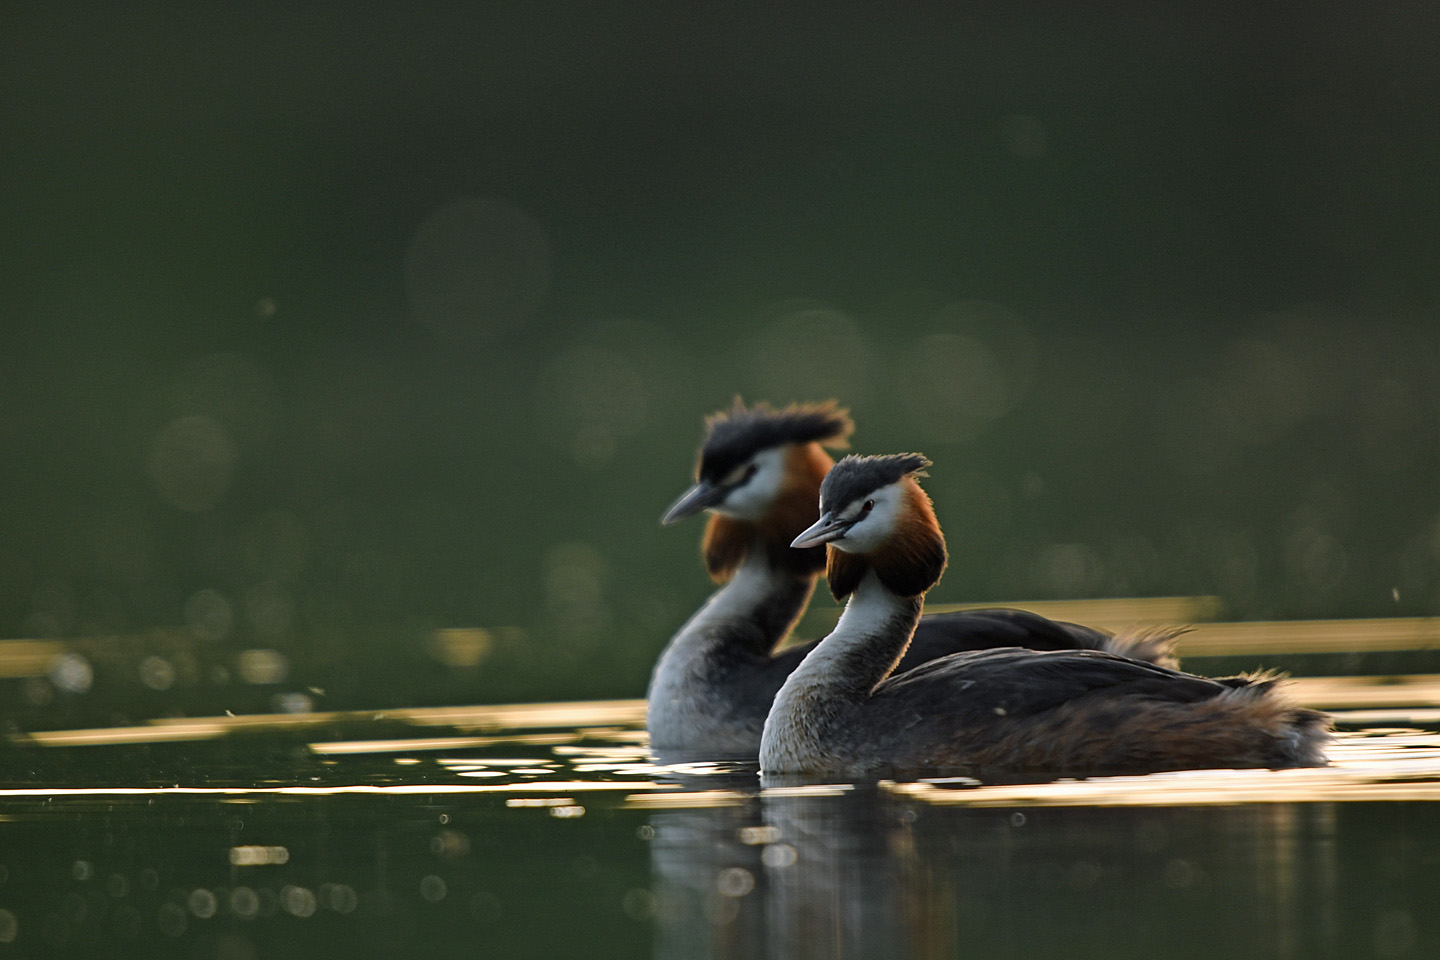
column 869, row 505
column 739, row 475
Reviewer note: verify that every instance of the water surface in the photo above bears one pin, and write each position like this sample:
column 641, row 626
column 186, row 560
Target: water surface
column 546, row 830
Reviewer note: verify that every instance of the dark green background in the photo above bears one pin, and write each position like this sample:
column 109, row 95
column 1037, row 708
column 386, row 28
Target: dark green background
column 1154, row 287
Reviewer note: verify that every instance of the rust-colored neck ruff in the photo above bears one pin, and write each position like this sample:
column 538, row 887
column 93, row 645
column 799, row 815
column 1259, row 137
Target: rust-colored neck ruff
column 910, row 561
column 728, row 541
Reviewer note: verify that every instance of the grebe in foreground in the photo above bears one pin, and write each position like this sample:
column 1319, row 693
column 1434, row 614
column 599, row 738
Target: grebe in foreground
column 1075, row 713
column 759, row 474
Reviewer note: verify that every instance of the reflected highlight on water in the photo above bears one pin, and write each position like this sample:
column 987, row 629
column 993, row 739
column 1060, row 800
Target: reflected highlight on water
column 548, row 829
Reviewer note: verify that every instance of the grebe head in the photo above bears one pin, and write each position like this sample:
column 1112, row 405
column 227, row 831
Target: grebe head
column 874, row 516
column 752, row 456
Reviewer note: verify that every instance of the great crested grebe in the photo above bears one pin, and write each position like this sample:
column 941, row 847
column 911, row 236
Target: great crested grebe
column 759, row 474
column 846, row 712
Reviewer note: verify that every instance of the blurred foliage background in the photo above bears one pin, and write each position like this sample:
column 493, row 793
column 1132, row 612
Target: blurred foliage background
column 349, row 358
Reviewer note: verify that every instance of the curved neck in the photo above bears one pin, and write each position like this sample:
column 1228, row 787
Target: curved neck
column 818, row 708
column 707, row 691
column 755, row 610
column 867, row 643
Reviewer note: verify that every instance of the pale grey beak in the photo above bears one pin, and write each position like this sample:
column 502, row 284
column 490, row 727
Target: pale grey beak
column 699, row 497
column 824, row 530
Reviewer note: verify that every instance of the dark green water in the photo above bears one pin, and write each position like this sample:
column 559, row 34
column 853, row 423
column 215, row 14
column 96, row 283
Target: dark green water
column 567, row 843
column 378, row 876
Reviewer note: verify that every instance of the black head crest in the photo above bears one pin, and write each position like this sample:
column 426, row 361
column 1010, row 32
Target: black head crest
column 734, row 436
column 855, row 477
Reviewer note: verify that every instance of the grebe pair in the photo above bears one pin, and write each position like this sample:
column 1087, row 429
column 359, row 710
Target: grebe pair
column 759, row 474
column 843, row 709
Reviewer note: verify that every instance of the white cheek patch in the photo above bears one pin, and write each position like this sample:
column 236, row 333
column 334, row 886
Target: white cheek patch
column 877, row 526
column 752, row 500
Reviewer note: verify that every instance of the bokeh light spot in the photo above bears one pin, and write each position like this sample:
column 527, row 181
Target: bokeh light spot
column 202, row 903
column 262, row 666
column 157, row 673
column 342, row 898
column 433, row 888
column 450, row 844
column 170, row 919
column 575, row 579
column 192, row 460
column 461, row 646
column 292, row 702
column 233, row 390
column 975, row 368
column 1317, row 560
column 812, row 352
column 72, row 673
column 734, row 882
column 638, row 903
column 1068, row 570
column 298, row 901
column 244, row 903
column 777, row 856
column 208, row 615
column 593, row 397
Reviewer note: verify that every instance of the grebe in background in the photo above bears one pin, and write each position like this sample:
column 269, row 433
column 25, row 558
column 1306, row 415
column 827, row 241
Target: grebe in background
column 845, row 712
column 759, row 474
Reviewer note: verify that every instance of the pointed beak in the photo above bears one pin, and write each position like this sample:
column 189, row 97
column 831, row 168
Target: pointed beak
column 699, row 497
column 824, row 530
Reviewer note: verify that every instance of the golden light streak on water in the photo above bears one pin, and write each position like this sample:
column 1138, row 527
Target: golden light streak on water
column 1217, row 639
column 1418, row 692
column 517, row 716
column 1108, row 613
column 192, row 730
column 529, row 715
column 1341, row 693
column 1251, row 638
column 616, row 753
column 1386, row 764
column 395, row 789
column 622, row 769
column 808, row 790
column 252, row 855
column 1311, row 636
column 28, row 658
column 1215, row 787
column 1399, row 717
column 685, row 800
column 405, row 745
column 1367, row 766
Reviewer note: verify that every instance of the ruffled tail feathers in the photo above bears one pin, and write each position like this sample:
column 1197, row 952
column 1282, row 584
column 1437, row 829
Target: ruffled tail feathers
column 1152, row 644
column 1300, row 735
